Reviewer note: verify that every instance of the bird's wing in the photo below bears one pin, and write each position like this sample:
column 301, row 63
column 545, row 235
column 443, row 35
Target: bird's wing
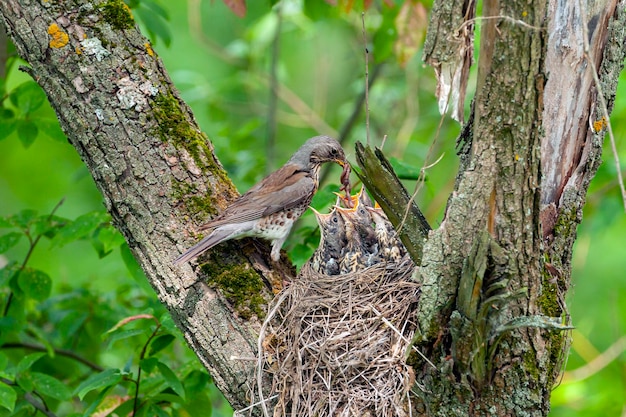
column 283, row 189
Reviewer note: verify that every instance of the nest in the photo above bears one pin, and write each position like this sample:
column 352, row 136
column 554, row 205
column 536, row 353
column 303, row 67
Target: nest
column 337, row 345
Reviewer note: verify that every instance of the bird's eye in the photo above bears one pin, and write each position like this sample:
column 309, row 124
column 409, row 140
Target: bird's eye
column 333, row 152
column 335, row 219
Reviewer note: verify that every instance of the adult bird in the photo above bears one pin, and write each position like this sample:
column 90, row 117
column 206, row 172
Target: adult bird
column 270, row 208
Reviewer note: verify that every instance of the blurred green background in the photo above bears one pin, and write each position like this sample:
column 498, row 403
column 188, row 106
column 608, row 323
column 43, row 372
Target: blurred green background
column 222, row 65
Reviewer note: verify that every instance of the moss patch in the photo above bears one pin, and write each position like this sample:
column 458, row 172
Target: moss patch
column 240, row 284
column 187, row 194
column 174, row 127
column 117, row 14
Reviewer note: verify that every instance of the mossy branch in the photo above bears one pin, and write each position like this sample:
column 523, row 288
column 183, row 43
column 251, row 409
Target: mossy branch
column 380, row 179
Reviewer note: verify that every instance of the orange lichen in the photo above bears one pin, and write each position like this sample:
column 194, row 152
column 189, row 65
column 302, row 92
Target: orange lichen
column 78, row 50
column 59, row 38
column 600, row 124
column 149, row 49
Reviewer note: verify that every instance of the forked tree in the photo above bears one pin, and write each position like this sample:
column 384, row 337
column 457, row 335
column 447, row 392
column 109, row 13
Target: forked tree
column 546, row 78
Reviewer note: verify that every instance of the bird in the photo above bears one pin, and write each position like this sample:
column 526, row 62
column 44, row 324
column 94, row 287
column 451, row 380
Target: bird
column 270, row 208
column 362, row 248
column 391, row 248
column 327, row 256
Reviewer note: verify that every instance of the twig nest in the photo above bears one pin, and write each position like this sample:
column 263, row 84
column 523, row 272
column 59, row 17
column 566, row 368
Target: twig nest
column 335, row 345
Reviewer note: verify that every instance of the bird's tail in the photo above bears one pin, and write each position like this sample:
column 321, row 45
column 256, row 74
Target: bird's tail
column 216, row 237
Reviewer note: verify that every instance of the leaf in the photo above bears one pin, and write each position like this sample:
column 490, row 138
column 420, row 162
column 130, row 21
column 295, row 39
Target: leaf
column 50, row 386
column 27, row 361
column 23, row 218
column 27, row 132
column 236, row 6
column 47, row 225
column 126, row 334
column 172, row 380
column 411, row 24
column 403, row 170
column 8, row 122
column 131, row 264
column 109, row 404
column 7, row 397
column 9, row 240
column 160, row 343
column 82, row 227
column 36, row 284
column 127, row 320
column 103, row 379
column 52, row 129
column 148, row 364
column 155, row 25
column 27, row 97
column 106, row 239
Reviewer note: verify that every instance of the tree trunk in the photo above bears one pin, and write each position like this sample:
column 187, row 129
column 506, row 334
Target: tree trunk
column 494, row 272
column 154, row 167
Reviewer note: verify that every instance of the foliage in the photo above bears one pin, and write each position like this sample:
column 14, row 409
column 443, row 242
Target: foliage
column 80, row 327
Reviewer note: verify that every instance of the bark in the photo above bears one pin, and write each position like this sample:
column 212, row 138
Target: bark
column 494, row 272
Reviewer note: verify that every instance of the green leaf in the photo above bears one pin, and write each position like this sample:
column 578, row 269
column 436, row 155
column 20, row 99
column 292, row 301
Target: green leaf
column 47, row 225
column 5, row 222
column 172, row 380
column 103, row 379
column 25, row 382
column 7, row 397
column 8, row 123
column 51, row 128
column 160, row 343
column 106, row 239
column 27, row 97
column 157, row 411
column 50, row 386
column 82, row 227
column 148, row 364
column 27, row 361
column 403, row 170
column 9, row 240
column 131, row 264
column 155, row 25
column 36, row 284
column 126, row 334
column 23, row 218
column 27, row 132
